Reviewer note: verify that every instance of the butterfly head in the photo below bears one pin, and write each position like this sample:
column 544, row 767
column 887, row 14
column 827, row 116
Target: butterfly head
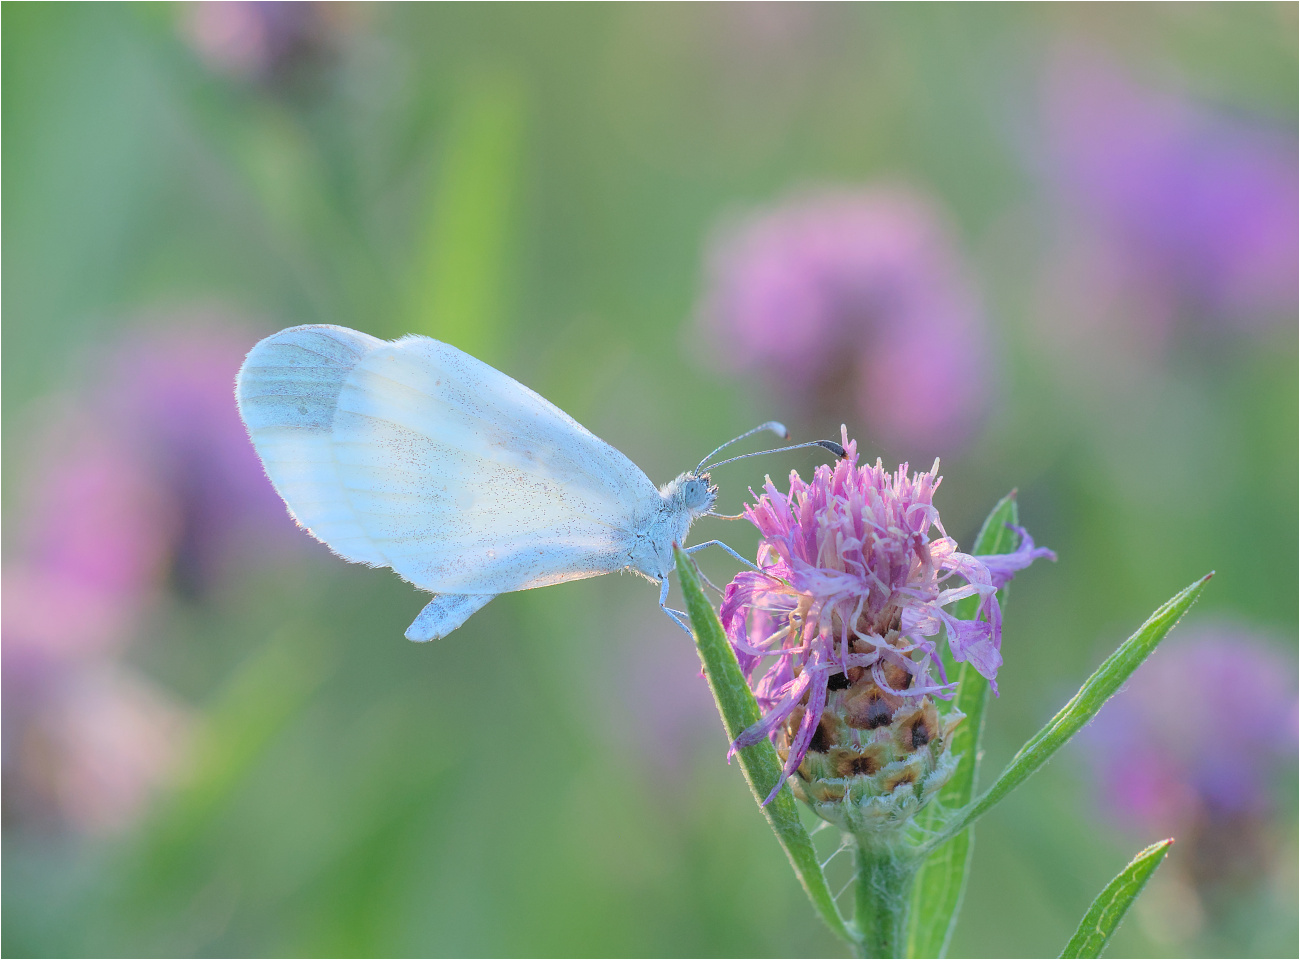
column 693, row 495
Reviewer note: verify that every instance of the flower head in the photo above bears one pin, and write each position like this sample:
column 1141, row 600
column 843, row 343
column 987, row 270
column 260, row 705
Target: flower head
column 870, row 278
column 277, row 45
column 1197, row 205
column 1180, row 751
column 142, row 483
column 1155, row 769
column 852, row 592
column 169, row 395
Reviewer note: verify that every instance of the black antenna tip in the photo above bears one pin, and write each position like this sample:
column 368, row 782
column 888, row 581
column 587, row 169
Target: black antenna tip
column 833, row 447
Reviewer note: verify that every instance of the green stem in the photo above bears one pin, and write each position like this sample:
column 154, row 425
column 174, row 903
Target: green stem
column 883, row 894
column 759, row 762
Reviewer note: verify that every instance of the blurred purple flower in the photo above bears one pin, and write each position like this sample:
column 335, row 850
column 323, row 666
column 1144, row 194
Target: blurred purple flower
column 1199, row 731
column 1198, row 205
column 264, row 41
column 171, row 394
column 99, row 743
column 852, row 585
column 1195, row 746
column 93, row 530
column 859, row 297
column 144, row 482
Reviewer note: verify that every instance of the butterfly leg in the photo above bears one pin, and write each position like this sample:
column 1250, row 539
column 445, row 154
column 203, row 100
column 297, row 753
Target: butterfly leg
column 718, row 543
column 677, row 616
column 709, row 583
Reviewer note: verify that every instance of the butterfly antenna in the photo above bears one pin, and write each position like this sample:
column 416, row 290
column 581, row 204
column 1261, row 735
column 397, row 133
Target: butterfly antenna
column 830, row 445
column 777, row 428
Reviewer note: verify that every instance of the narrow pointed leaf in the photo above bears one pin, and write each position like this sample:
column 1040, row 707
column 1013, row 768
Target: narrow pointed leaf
column 760, row 763
column 460, row 278
column 1083, row 706
column 1104, row 916
column 937, row 892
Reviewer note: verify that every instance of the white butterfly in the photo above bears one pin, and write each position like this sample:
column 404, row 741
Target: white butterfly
column 416, row 456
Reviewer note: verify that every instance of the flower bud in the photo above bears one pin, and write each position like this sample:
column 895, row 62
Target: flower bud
column 876, row 757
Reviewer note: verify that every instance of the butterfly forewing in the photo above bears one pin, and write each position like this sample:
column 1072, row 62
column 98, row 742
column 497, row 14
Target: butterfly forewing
column 288, row 390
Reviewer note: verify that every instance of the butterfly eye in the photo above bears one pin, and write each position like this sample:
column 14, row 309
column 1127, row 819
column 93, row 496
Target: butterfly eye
column 696, row 494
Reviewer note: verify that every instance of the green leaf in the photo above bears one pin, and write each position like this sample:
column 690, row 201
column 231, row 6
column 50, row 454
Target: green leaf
column 760, row 763
column 937, row 893
column 1083, row 706
column 1103, row 917
column 460, row 273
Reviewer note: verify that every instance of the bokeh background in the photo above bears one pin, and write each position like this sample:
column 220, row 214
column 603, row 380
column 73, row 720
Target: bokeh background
column 1053, row 245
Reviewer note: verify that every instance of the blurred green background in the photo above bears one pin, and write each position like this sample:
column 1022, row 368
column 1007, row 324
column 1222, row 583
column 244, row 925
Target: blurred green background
column 273, row 770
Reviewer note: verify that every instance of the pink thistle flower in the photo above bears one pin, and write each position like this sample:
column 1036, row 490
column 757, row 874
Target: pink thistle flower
column 142, row 484
column 1180, row 752
column 853, row 589
column 1156, row 771
column 98, row 747
column 871, row 278
column 280, row 46
column 1194, row 205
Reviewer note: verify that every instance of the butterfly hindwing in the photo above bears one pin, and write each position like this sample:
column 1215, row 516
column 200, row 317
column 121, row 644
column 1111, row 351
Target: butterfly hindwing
column 468, row 482
column 444, row 613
